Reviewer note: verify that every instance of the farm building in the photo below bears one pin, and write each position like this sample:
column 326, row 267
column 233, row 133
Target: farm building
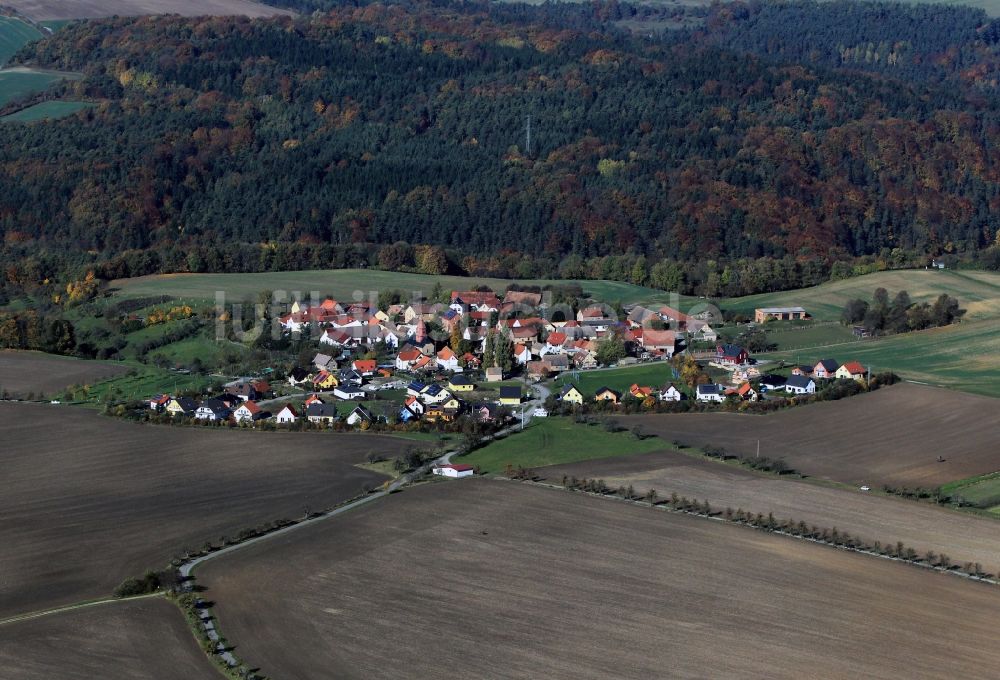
column 763, row 314
column 454, row 471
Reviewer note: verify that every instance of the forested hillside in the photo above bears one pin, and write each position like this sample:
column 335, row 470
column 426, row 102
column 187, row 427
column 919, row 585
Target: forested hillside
column 325, row 135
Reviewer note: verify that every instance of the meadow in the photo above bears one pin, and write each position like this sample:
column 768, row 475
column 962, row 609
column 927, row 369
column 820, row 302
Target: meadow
column 49, row 11
column 52, row 110
column 18, row 83
column 551, row 441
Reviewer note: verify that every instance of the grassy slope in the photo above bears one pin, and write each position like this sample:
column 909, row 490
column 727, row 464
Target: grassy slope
column 979, row 292
column 654, row 375
column 347, row 284
column 14, row 85
column 46, row 111
column 14, row 34
column 551, row 441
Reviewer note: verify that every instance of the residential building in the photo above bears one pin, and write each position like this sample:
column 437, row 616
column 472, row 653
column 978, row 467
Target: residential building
column 571, row 395
column 608, row 394
column 671, row 393
column 510, row 395
column 287, row 415
column 825, row 368
column 764, row 314
column 710, row 392
column 322, row 413
column 360, row 415
column 731, row 354
column 800, row 384
column 852, row 370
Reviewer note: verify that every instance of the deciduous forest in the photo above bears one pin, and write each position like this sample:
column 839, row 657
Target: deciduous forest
column 758, row 147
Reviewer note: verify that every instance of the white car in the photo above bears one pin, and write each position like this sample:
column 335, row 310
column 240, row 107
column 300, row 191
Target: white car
column 866, row 488
column 541, row 413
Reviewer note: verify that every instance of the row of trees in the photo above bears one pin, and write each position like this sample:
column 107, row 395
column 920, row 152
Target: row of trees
column 900, row 314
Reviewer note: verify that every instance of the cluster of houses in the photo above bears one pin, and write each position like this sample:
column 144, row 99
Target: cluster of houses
column 544, row 343
column 803, row 380
column 570, row 394
column 237, row 402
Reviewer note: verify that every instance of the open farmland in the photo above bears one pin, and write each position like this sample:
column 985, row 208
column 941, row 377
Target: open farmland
column 892, row 436
column 887, row 519
column 134, row 640
column 35, row 372
column 520, row 581
column 49, row 10
column 90, row 500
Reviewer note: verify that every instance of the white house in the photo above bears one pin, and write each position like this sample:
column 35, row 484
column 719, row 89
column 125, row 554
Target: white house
column 800, row 384
column 358, row 415
column 248, row 412
column 212, row 409
column 522, row 354
column 454, row 471
column 711, row 393
column 287, row 415
column 670, row 393
column 347, row 393
column 447, row 359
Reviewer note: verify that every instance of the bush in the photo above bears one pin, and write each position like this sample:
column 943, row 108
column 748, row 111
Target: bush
column 131, row 587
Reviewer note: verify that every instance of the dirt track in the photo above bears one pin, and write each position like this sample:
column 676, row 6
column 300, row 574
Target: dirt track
column 892, row 436
column 963, row 537
column 34, row 372
column 139, row 640
column 89, row 500
column 42, row 10
column 480, row 578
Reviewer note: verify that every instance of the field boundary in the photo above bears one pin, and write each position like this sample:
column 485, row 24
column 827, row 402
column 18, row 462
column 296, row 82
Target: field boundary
column 79, row 605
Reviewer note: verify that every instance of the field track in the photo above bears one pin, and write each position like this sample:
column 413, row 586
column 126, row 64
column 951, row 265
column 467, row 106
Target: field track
column 514, row 581
column 135, row 640
column 963, row 537
column 90, row 500
column 892, row 436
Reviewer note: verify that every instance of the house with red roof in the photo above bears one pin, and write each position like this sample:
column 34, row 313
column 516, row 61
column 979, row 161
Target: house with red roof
column 365, row 367
column 522, row 354
column 407, row 357
column 248, row 412
column 287, row 415
column 447, row 359
column 852, row 370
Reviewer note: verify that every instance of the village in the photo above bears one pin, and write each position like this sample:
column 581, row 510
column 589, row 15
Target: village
column 477, row 358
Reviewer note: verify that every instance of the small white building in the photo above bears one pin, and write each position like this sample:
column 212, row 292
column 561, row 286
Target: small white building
column 286, row 415
column 454, row 471
column 800, row 384
column 670, row 393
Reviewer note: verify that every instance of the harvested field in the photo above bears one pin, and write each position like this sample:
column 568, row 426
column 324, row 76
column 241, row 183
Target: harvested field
column 963, row 537
column 135, row 640
column 892, row 436
column 49, row 10
column 35, row 372
column 89, row 500
column 482, row 578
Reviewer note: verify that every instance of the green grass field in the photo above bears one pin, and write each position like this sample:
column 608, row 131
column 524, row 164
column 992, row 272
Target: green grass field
column 978, row 292
column 654, row 374
column 18, row 84
column 15, row 34
column 348, row 284
column 46, row 111
column 551, row 441
column 144, row 383
column 965, row 356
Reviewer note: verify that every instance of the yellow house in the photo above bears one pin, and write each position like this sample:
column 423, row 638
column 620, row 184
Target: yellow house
column 461, row 383
column 851, row 370
column 608, row 394
column 510, row 396
column 181, row 406
column 452, row 404
column 571, row 395
column 325, row 380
